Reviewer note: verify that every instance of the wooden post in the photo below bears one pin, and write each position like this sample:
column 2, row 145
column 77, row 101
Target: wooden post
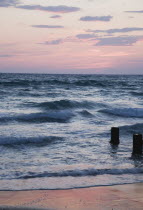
column 137, row 144
column 115, row 136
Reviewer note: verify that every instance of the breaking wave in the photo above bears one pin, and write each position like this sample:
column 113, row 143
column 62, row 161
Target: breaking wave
column 57, row 116
column 137, row 93
column 80, row 173
column 124, row 112
column 135, row 128
column 86, row 113
column 34, row 141
column 62, row 104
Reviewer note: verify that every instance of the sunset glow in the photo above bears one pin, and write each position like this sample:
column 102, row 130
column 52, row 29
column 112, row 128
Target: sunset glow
column 77, row 36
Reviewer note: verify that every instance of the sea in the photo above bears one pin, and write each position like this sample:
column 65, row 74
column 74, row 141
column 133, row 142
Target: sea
column 55, row 130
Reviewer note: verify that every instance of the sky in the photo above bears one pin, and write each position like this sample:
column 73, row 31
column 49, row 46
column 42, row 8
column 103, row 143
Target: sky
column 71, row 36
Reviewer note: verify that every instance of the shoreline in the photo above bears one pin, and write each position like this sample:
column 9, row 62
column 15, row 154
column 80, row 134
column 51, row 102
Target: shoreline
column 125, row 196
column 74, row 188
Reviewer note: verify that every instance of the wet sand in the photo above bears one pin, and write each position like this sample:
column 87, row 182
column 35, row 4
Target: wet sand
column 128, row 197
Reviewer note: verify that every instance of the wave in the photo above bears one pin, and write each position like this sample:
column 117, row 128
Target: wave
column 62, row 81
column 86, row 113
column 62, row 104
column 88, row 82
column 135, row 93
column 34, row 141
column 81, row 173
column 136, row 128
column 15, row 83
column 36, row 82
column 57, row 116
column 25, row 83
column 124, row 112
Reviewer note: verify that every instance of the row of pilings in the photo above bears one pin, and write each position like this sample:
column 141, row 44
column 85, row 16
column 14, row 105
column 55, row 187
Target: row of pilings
column 137, row 141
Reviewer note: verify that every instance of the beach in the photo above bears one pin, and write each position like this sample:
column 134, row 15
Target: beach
column 129, row 196
column 71, row 105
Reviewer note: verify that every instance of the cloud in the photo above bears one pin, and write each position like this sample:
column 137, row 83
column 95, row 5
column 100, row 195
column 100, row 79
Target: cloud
column 7, row 44
column 6, row 56
column 56, row 16
column 85, row 36
column 53, row 42
column 47, row 26
column 119, row 41
column 96, row 18
column 117, row 30
column 8, row 3
column 60, row 41
column 131, row 16
column 138, row 11
column 56, row 9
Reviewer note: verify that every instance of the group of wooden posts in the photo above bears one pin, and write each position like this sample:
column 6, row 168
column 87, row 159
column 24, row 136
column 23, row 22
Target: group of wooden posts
column 137, row 141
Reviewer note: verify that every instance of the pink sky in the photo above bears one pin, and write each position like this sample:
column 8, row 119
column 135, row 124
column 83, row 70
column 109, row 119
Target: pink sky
column 76, row 36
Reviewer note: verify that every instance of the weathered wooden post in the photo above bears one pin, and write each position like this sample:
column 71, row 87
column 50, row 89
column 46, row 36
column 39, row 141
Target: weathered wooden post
column 115, row 136
column 137, row 144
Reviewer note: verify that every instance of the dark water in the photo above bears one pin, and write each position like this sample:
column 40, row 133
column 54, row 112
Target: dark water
column 55, row 130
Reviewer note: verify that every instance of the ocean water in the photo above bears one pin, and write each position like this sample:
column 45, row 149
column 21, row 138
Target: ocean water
column 55, row 130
